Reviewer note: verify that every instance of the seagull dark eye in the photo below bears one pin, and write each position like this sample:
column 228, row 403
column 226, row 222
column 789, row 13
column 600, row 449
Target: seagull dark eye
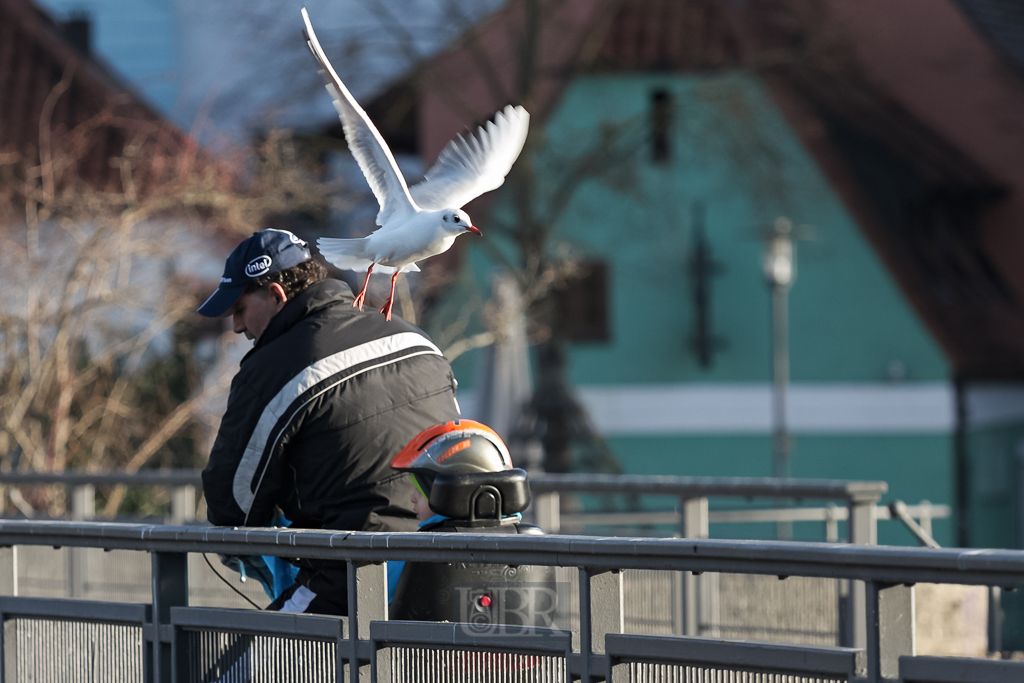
column 456, row 219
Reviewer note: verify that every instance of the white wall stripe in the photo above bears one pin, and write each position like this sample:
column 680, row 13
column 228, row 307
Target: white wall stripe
column 301, row 383
column 814, row 408
column 745, row 408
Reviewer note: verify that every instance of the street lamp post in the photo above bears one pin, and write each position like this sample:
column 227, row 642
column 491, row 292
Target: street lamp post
column 779, row 262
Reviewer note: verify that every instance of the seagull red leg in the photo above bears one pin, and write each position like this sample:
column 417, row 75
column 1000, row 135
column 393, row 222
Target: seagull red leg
column 358, row 301
column 386, row 310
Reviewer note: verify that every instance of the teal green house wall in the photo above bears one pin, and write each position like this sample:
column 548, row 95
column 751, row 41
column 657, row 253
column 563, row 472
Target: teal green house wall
column 848, row 320
column 732, row 151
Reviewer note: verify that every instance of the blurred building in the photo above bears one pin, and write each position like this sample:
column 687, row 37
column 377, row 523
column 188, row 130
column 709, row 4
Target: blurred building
column 230, row 68
column 67, row 125
column 892, row 130
column 36, row 55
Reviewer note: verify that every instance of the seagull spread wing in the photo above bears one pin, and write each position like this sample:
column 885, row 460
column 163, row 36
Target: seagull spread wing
column 364, row 141
column 465, row 169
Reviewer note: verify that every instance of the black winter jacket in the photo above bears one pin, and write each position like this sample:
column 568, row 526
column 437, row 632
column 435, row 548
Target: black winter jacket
column 327, row 396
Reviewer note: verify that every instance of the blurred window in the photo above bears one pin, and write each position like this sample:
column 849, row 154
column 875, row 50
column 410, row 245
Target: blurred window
column 583, row 305
column 661, row 126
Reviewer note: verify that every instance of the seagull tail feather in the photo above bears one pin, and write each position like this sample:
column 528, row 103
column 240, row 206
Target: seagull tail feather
column 347, row 254
column 350, row 254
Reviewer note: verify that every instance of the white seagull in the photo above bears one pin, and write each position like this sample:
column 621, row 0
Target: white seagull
column 424, row 220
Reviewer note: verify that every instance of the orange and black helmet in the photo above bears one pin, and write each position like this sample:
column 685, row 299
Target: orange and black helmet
column 458, row 447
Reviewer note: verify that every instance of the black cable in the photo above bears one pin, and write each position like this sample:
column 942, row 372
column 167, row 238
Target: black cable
column 221, row 577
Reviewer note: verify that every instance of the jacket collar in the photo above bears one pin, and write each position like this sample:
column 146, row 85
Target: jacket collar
column 317, row 296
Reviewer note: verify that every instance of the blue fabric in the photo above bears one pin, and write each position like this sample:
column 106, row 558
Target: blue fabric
column 282, row 573
column 394, row 574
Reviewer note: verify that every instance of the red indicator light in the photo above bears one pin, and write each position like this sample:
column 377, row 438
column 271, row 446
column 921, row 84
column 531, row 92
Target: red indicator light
column 485, row 601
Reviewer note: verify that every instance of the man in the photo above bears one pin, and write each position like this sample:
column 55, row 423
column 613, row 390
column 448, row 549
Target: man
column 325, row 398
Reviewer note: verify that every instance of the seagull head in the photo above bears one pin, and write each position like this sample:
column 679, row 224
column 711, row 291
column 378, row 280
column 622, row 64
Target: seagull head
column 458, row 222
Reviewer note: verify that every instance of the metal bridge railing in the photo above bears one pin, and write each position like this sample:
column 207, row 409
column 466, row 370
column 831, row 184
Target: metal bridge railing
column 167, row 640
column 808, row 611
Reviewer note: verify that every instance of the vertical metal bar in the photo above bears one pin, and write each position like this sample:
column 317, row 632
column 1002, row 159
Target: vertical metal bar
column 780, row 380
column 873, row 633
column 3, row 649
column 927, row 514
column 897, row 633
column 678, row 603
column 170, row 589
column 694, row 525
column 367, row 601
column 863, row 529
column 83, row 502
column 183, row 504
column 547, row 511
column 832, row 523
column 83, row 507
column 601, row 613
column 961, row 464
column 10, row 588
column 586, row 634
column 995, row 619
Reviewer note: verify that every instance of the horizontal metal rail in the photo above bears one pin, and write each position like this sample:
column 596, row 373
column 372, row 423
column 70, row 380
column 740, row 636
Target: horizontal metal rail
column 110, row 478
column 683, row 487
column 360, row 639
column 959, row 670
column 704, row 487
column 763, row 658
column 93, row 610
column 889, row 564
column 800, row 514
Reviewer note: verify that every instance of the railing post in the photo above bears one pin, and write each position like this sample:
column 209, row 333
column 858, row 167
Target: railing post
column 926, row 516
column 83, row 507
column 601, row 613
column 898, row 634
column 83, row 502
column 367, row 601
column 170, row 589
column 832, row 523
column 995, row 620
column 863, row 529
column 183, row 504
column 889, row 610
column 546, row 511
column 694, row 524
column 872, row 632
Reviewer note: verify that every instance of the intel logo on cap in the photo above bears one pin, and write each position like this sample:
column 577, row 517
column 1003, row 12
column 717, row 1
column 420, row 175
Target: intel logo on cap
column 258, row 266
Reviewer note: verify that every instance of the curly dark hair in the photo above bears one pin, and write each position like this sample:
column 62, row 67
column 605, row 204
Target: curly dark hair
column 293, row 280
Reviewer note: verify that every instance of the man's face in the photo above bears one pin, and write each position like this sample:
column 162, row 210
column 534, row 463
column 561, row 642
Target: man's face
column 252, row 312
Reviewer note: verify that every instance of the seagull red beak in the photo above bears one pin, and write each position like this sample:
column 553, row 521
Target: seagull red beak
column 473, row 229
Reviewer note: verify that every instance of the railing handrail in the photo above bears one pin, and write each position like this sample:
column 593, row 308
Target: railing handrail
column 682, row 487
column 701, row 487
column 883, row 564
column 163, row 477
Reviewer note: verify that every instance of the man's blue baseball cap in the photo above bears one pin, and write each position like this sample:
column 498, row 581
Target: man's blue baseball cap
column 266, row 251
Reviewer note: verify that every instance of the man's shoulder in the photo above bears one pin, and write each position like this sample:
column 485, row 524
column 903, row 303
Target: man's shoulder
column 335, row 339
